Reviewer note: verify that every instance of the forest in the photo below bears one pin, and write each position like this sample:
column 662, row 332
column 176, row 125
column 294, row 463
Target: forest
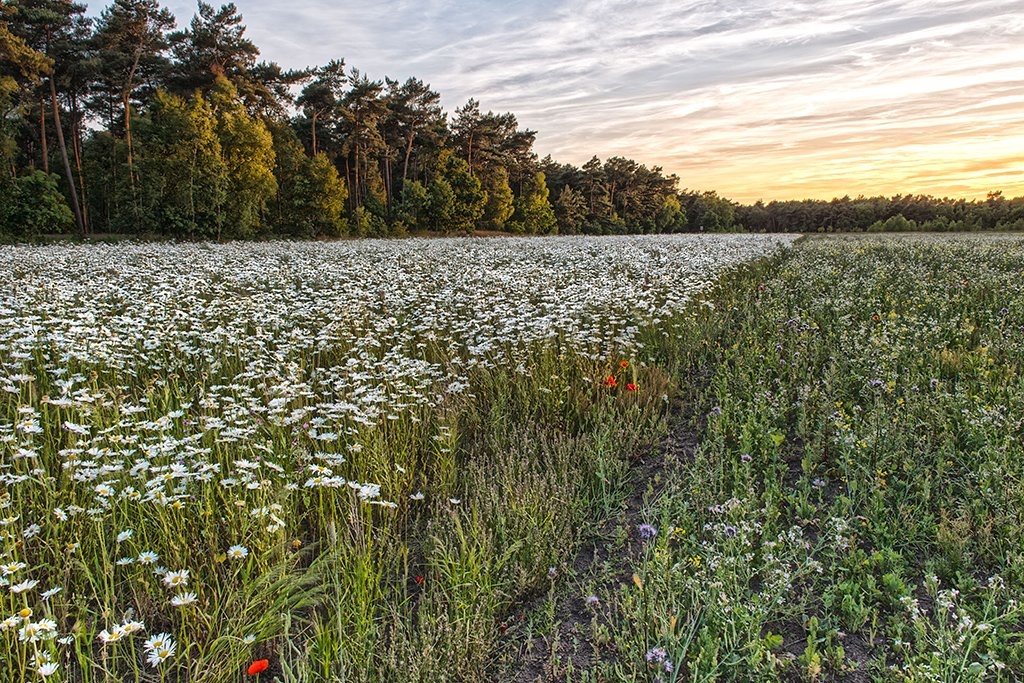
column 127, row 124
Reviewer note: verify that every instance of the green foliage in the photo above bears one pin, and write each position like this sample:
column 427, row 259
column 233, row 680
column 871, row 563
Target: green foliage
column 878, row 214
column 707, row 212
column 366, row 223
column 412, row 208
column 671, row 217
column 570, row 211
column 185, row 180
column 310, row 199
column 321, row 192
column 534, row 214
column 897, row 223
column 19, row 63
column 857, row 486
column 456, row 200
column 247, row 151
column 500, row 201
column 31, row 205
column 440, row 206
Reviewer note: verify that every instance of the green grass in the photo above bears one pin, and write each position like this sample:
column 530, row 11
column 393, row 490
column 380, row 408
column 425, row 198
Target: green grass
column 855, row 506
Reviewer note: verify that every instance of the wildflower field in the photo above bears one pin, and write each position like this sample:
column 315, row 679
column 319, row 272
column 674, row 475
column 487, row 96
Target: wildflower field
column 347, row 459
column 674, row 458
column 855, row 508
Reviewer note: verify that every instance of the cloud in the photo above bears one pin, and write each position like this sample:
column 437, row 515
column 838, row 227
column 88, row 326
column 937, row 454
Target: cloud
column 754, row 99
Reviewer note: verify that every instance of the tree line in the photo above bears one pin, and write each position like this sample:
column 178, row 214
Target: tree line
column 125, row 123
column 901, row 213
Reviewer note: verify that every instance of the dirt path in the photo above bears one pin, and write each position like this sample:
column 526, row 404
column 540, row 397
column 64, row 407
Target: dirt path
column 606, row 562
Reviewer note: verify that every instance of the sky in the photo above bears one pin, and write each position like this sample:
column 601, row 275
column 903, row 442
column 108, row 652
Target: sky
column 756, row 100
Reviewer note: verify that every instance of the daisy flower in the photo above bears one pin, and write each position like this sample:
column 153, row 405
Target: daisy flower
column 46, row 669
column 159, row 654
column 147, row 557
column 238, row 552
column 158, row 641
column 183, row 599
column 176, row 579
column 24, row 586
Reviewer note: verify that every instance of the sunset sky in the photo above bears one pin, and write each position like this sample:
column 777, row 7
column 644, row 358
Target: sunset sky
column 753, row 99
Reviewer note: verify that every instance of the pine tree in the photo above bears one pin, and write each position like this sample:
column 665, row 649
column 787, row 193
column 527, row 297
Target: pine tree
column 214, row 44
column 54, row 28
column 571, row 211
column 415, row 115
column 130, row 41
column 320, row 99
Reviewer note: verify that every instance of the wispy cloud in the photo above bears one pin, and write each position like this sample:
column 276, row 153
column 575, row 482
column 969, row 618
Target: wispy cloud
column 755, row 99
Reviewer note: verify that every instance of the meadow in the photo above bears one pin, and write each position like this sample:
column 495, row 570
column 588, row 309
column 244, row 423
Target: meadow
column 348, row 459
column 673, row 458
column 854, row 509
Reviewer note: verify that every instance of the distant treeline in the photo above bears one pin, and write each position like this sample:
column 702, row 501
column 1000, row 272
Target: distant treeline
column 122, row 124
column 884, row 214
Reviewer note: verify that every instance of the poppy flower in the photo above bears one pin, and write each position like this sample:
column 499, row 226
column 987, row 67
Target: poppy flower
column 624, row 364
column 630, row 387
column 257, row 667
column 874, row 317
column 610, row 382
column 419, row 579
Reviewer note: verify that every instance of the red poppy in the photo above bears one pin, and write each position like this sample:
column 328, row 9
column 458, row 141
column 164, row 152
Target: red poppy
column 257, row 667
column 610, row 382
column 624, row 364
column 630, row 387
column 874, row 317
column 419, row 579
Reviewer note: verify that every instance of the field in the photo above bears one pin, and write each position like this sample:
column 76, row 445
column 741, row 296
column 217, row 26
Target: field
column 587, row 459
column 854, row 509
column 347, row 458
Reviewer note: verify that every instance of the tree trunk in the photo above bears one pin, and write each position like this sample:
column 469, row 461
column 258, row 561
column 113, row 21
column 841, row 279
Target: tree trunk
column 314, row 133
column 126, row 101
column 110, row 197
column 408, row 153
column 356, row 184
column 64, row 156
column 348, row 181
column 42, row 134
column 76, row 145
